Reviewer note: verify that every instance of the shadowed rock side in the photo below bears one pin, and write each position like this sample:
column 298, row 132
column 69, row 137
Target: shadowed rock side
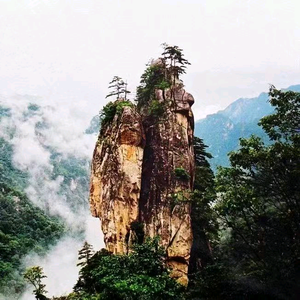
column 116, row 178
column 167, row 177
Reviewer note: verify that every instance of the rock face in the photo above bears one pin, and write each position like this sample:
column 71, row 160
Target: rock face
column 167, row 178
column 143, row 172
column 116, row 178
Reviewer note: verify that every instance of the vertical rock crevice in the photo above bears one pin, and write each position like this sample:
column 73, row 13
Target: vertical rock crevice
column 142, row 176
column 164, row 206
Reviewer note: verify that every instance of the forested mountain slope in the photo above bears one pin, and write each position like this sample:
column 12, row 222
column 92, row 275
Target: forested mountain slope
column 43, row 185
column 221, row 131
column 23, row 226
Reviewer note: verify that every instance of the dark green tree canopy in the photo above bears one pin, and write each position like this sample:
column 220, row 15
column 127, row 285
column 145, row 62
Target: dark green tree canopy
column 142, row 274
column 284, row 124
column 85, row 253
column 258, row 201
column 204, row 224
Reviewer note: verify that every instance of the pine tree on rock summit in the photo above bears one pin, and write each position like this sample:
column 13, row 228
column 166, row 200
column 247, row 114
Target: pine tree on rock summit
column 119, row 88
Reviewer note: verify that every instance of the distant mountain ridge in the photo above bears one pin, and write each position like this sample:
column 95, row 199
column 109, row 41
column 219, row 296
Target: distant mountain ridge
column 221, row 131
column 255, row 108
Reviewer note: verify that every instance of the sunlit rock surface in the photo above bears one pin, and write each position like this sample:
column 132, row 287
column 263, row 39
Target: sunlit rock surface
column 143, row 170
column 116, row 178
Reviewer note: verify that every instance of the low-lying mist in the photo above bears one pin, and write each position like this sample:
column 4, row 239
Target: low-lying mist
column 50, row 145
column 59, row 264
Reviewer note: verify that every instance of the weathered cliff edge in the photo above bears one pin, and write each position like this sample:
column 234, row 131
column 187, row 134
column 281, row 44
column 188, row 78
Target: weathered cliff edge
column 116, row 178
column 143, row 173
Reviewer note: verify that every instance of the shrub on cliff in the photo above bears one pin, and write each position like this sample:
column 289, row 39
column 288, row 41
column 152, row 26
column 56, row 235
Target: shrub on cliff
column 181, row 174
column 118, row 88
column 153, row 78
column 109, row 111
column 140, row 275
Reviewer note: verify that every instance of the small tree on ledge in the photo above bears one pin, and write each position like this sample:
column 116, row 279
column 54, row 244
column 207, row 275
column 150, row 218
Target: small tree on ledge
column 34, row 275
column 174, row 60
column 119, row 88
column 85, row 253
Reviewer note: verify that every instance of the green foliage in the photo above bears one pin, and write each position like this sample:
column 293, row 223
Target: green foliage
column 258, row 203
column 213, row 282
column 204, row 191
column 142, row 274
column 181, row 174
column 79, row 296
column 8, row 173
column 84, row 254
column 153, row 78
column 174, row 60
column 109, row 111
column 163, row 84
column 201, row 155
column 156, row 108
column 121, row 104
column 23, row 227
column 203, row 217
column 284, row 124
column 34, row 276
column 160, row 75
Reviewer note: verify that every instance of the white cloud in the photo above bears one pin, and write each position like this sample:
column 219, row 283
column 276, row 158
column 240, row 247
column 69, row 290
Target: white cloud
column 79, row 46
column 59, row 265
column 62, row 129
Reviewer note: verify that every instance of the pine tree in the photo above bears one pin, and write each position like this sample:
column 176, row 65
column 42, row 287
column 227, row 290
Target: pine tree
column 84, row 254
column 119, row 88
column 204, row 223
column 174, row 60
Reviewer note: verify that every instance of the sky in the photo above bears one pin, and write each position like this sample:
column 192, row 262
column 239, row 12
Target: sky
column 67, row 51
